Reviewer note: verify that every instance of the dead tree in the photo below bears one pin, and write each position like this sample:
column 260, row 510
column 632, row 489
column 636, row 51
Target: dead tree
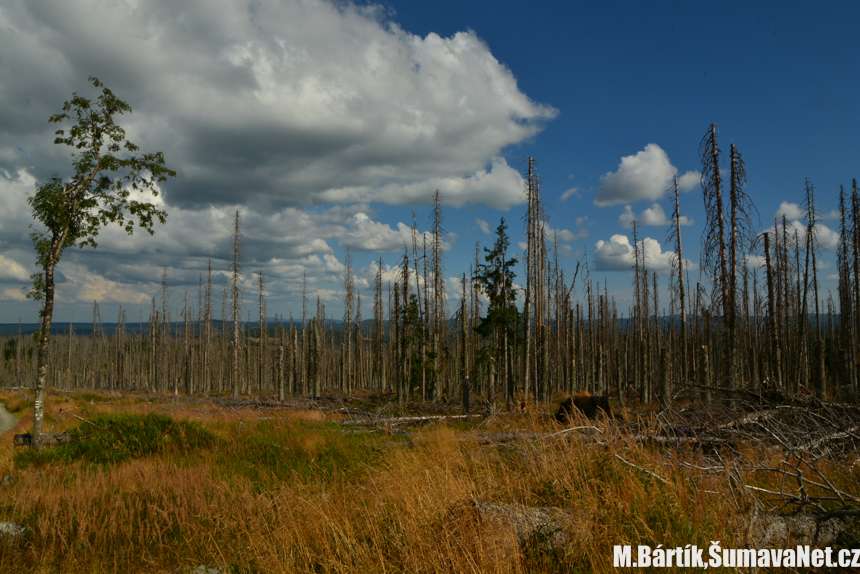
column 678, row 275
column 846, row 309
column 207, row 333
column 772, row 319
column 534, row 307
column 378, row 351
column 264, row 333
column 812, row 247
column 439, row 313
column 348, row 312
column 236, row 309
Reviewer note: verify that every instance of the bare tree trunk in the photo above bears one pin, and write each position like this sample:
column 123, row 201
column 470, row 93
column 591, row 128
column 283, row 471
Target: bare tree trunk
column 264, row 334
column 682, row 296
column 714, row 237
column 281, row 370
column 439, row 327
column 772, row 320
column 207, row 343
column 164, row 358
column 348, row 307
column 811, row 248
column 235, row 278
column 846, row 309
column 187, row 348
column 855, row 227
column 737, row 181
column 42, row 357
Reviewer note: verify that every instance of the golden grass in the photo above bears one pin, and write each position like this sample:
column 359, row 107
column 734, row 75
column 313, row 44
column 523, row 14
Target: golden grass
column 296, row 496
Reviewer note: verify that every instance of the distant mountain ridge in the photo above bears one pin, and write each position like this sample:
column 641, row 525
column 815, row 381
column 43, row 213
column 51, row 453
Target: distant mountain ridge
column 59, row 328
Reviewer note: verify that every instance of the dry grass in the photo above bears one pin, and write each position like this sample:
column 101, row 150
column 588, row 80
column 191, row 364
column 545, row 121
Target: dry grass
column 284, row 495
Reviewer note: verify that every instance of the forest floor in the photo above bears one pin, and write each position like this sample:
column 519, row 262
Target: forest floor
column 164, row 483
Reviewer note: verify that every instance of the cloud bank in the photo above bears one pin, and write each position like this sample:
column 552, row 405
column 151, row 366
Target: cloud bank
column 307, row 116
column 279, row 103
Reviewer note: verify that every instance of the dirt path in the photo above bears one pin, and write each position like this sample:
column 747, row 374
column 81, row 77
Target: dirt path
column 7, row 420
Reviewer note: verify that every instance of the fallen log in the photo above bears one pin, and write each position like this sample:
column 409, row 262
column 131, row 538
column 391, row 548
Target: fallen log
column 750, row 418
column 813, row 444
column 48, row 439
column 55, row 438
column 407, row 420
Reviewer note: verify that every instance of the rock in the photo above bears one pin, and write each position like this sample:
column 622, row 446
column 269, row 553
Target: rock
column 12, row 532
column 778, row 531
column 7, row 481
column 502, row 531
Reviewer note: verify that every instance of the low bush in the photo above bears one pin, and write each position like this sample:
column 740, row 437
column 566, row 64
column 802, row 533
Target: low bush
column 116, row 438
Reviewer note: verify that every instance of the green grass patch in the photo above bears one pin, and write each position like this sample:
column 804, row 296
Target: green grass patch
column 116, row 438
column 313, row 452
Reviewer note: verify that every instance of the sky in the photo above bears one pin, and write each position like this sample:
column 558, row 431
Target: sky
column 327, row 125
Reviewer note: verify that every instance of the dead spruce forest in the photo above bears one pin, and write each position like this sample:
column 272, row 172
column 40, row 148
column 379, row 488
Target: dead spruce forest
column 738, row 327
column 406, row 435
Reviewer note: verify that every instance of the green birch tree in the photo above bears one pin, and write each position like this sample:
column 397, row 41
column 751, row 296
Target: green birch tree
column 107, row 169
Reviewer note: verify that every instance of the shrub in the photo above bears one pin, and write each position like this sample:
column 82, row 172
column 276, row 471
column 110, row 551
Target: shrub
column 116, row 438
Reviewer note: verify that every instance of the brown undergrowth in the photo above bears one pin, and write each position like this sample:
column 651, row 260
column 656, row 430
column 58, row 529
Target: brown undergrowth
column 284, row 494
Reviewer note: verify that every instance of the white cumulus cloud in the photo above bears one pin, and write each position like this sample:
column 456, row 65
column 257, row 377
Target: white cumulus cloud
column 646, row 175
column 827, row 238
column 795, row 211
column 689, row 181
column 653, row 216
column 789, row 210
column 618, row 254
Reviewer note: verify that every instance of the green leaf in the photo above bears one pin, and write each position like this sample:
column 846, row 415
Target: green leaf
column 106, row 169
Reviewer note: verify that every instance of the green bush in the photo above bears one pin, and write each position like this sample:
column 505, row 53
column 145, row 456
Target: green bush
column 116, row 438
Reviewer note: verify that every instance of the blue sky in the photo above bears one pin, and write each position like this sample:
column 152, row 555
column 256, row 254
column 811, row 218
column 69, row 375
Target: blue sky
column 326, row 126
